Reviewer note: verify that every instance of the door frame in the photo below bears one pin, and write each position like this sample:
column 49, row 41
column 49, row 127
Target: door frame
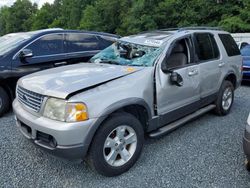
column 168, row 117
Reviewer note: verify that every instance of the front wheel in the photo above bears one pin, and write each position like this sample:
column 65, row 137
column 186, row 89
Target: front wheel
column 4, row 102
column 117, row 145
column 225, row 98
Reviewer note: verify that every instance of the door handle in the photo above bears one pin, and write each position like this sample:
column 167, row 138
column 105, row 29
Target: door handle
column 60, row 63
column 221, row 64
column 193, row 72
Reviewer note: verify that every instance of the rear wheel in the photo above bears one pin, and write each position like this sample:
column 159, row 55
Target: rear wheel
column 4, row 101
column 117, row 145
column 225, row 99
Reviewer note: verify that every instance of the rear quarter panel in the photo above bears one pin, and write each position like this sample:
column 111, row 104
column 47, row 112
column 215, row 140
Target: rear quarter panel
column 233, row 64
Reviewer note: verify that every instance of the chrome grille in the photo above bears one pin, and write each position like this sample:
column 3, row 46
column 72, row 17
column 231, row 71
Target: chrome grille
column 30, row 99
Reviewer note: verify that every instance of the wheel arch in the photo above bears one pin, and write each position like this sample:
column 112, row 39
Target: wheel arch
column 135, row 106
column 7, row 88
column 232, row 78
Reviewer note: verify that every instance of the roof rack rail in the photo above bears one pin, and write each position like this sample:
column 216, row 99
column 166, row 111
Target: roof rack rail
column 50, row 29
column 192, row 28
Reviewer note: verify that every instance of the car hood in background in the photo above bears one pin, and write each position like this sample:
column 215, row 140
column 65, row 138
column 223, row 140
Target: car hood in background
column 63, row 81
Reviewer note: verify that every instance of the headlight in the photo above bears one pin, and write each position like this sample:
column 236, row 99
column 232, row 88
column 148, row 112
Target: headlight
column 61, row 110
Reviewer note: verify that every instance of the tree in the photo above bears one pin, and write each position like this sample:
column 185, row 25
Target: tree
column 20, row 16
column 104, row 15
column 70, row 13
column 126, row 16
column 4, row 16
column 44, row 17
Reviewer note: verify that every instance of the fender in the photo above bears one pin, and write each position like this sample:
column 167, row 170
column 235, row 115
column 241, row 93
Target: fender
column 237, row 83
column 126, row 102
column 96, row 85
column 112, row 108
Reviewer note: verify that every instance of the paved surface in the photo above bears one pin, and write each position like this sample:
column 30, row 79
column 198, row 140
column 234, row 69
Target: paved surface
column 205, row 153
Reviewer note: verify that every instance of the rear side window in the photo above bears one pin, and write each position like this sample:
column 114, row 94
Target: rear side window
column 229, row 44
column 78, row 42
column 106, row 41
column 206, row 47
column 47, row 45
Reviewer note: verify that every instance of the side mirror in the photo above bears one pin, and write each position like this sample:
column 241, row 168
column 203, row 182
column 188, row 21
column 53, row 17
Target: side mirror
column 176, row 79
column 165, row 69
column 25, row 53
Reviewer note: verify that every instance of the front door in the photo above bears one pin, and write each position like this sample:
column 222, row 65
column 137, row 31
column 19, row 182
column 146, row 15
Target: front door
column 175, row 101
column 48, row 52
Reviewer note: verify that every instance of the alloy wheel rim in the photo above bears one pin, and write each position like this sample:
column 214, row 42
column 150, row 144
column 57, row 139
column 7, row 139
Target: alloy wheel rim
column 120, row 146
column 227, row 99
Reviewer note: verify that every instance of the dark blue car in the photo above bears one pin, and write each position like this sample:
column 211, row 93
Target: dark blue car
column 245, row 52
column 25, row 53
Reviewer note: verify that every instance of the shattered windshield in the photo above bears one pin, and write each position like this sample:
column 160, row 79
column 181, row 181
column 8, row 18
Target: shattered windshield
column 128, row 54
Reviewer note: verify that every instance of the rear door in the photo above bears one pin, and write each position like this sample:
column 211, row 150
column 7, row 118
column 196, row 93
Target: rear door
column 232, row 55
column 80, row 47
column 210, row 62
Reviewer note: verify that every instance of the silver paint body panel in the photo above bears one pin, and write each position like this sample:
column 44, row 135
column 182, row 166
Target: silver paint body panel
column 104, row 88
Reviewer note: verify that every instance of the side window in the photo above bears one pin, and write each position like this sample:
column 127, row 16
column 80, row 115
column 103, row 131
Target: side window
column 229, row 44
column 180, row 54
column 47, row 45
column 106, row 41
column 78, row 42
column 206, row 47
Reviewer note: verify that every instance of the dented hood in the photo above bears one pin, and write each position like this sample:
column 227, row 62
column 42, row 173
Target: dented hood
column 64, row 81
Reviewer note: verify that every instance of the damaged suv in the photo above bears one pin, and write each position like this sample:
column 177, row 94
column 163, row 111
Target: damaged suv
column 145, row 84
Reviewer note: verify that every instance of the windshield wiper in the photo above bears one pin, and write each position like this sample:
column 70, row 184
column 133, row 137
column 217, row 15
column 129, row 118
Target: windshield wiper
column 136, row 65
column 110, row 62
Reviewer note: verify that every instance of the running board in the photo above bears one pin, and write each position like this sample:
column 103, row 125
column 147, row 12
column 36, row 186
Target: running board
column 172, row 126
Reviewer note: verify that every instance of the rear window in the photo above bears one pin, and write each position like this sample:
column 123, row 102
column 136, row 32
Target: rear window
column 229, row 44
column 206, row 47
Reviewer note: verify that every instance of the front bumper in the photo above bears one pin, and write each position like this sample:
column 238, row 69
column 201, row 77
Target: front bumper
column 67, row 140
column 246, row 140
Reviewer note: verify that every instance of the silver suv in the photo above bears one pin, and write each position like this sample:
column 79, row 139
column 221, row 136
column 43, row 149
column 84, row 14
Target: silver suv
column 145, row 84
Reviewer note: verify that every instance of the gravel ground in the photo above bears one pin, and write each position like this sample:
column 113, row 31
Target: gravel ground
column 205, row 153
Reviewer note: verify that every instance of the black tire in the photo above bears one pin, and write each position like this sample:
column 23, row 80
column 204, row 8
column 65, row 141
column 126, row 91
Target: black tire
column 95, row 156
column 219, row 110
column 4, row 101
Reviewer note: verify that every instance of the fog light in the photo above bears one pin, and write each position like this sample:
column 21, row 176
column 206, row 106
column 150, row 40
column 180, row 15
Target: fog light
column 52, row 142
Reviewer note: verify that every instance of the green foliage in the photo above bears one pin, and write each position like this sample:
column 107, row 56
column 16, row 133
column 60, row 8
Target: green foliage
column 4, row 16
column 104, row 15
column 44, row 17
column 126, row 16
column 20, row 16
